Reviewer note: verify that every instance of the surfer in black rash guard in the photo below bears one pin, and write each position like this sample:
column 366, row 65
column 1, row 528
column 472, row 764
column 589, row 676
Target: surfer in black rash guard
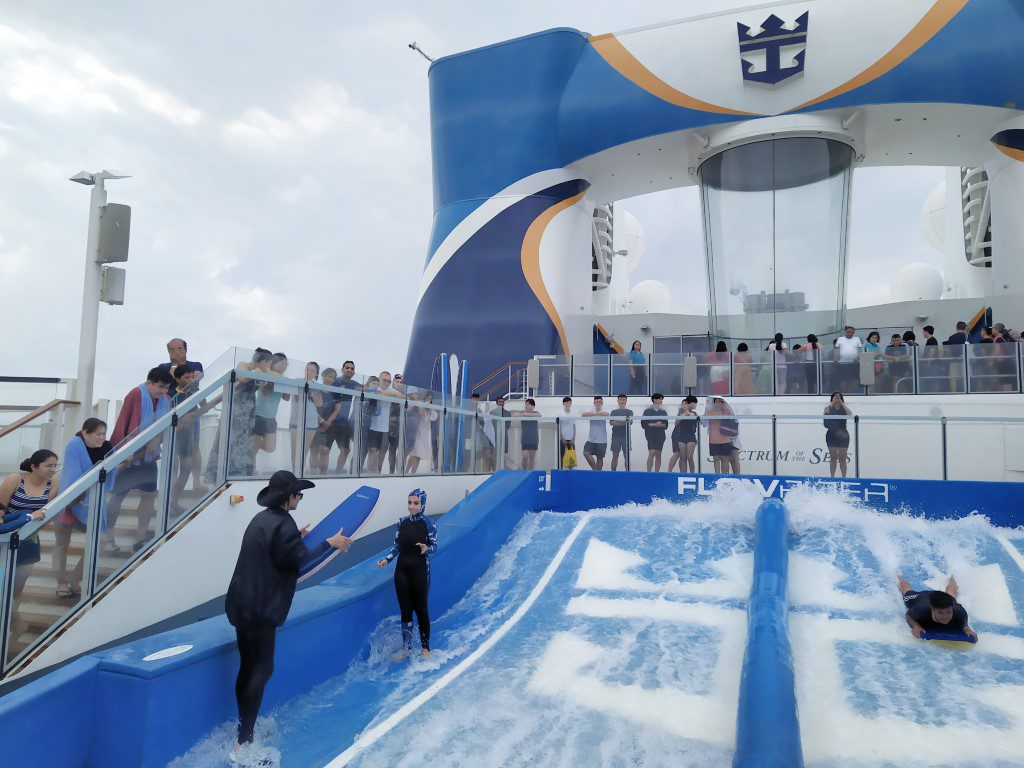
column 935, row 611
column 262, row 587
column 415, row 540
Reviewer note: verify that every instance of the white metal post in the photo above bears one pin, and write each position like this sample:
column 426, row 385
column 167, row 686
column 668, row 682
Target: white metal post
column 90, row 305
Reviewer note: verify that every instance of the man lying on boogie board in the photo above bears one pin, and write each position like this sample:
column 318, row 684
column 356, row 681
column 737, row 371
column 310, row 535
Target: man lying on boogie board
column 934, row 615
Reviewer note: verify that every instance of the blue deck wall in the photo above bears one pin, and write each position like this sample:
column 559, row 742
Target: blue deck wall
column 115, row 710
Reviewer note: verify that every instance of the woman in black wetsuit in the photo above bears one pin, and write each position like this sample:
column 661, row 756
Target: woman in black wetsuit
column 415, row 540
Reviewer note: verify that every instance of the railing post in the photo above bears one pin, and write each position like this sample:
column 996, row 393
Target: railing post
column 357, row 437
column 856, row 446
column 473, row 442
column 945, row 468
column 403, row 414
column 731, row 374
column 442, row 440
column 7, row 597
column 572, row 375
column 508, row 389
column 915, row 379
column 821, row 375
column 302, row 430
column 650, row 373
column 699, row 468
column 169, row 475
column 629, row 441
column 775, row 446
column 558, row 442
column 226, row 412
column 90, row 568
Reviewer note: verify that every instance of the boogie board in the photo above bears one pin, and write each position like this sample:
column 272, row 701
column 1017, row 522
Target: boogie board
column 347, row 517
column 946, row 637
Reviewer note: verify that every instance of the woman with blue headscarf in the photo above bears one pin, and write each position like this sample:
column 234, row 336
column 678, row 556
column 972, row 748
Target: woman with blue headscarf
column 415, row 541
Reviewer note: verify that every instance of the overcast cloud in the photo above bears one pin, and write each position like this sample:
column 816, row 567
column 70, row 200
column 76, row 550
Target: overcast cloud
column 281, row 175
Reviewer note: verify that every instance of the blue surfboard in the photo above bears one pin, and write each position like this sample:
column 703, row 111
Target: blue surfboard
column 957, row 637
column 347, row 517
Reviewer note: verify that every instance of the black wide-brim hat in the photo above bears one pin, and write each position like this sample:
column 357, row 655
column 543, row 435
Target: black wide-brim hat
column 283, row 484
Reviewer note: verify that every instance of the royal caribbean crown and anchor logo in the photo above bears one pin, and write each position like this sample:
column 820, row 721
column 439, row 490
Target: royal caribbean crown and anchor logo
column 776, row 53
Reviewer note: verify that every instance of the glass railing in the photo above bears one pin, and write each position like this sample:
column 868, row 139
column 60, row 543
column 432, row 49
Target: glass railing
column 903, row 370
column 244, row 424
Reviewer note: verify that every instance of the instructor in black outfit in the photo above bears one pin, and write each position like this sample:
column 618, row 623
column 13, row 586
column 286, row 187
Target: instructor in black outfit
column 262, row 587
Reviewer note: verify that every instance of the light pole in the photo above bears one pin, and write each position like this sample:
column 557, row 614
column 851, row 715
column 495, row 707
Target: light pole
column 91, row 289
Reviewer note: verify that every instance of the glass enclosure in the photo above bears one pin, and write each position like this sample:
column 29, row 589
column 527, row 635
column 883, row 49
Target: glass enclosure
column 775, row 230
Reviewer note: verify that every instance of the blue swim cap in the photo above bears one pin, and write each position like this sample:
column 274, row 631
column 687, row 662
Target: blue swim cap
column 422, row 495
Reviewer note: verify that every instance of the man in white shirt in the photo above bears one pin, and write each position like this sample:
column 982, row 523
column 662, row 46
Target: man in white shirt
column 566, row 429
column 377, row 435
column 597, row 441
column 848, row 349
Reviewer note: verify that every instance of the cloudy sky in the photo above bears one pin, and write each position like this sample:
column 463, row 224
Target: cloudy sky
column 280, row 175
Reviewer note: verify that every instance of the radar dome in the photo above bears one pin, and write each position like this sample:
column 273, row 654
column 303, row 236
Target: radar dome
column 629, row 236
column 933, row 217
column 916, row 282
column 649, row 296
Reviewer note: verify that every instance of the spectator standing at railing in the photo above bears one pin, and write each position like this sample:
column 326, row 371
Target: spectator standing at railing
column 421, row 450
column 655, row 425
column 177, row 351
column 596, row 446
column 897, row 363
column 620, row 421
column 847, row 353
column 144, row 405
column 84, row 451
column 812, row 354
column 529, row 433
column 566, row 430
column 186, row 434
column 794, row 370
column 380, row 422
column 778, row 347
column 743, row 371
column 637, row 369
column 23, row 495
column 718, row 371
column 910, row 338
column 960, row 337
column 837, row 436
column 269, row 395
column 503, row 413
column 304, row 421
column 328, row 409
column 722, row 432
column 347, row 415
column 1007, row 334
column 394, row 426
column 684, row 436
column 929, row 336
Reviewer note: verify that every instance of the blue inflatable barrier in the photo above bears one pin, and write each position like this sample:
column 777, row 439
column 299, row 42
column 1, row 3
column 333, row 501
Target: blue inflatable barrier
column 767, row 728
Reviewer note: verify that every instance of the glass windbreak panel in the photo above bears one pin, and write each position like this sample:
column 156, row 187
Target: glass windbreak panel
column 807, row 448
column 194, row 462
column 486, row 435
column 796, row 370
column 50, row 576
column 382, row 432
column 894, row 448
column 941, row 369
column 752, row 372
column 651, row 436
column 714, row 374
column 667, row 374
column 775, row 224
column 318, row 445
column 136, row 490
column 458, row 443
column 997, row 462
column 17, row 445
column 553, row 376
column 839, row 376
column 746, row 453
column 992, row 367
column 894, row 371
column 590, row 375
column 421, row 421
column 629, row 374
column 524, row 448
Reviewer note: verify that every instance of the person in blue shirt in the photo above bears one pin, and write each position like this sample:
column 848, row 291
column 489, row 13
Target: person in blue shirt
column 637, row 369
column 415, row 541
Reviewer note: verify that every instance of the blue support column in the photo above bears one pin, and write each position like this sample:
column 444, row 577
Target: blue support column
column 767, row 728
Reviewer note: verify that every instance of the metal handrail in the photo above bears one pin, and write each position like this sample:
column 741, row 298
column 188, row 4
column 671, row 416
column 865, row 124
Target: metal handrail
column 502, row 369
column 33, row 415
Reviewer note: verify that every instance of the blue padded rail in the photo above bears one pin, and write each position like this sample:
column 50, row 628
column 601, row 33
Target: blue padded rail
column 767, row 728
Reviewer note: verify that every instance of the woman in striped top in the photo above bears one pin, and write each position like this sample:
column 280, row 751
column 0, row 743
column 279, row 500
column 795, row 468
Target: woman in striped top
column 24, row 494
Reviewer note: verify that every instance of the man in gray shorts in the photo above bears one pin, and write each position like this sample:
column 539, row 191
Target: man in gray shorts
column 597, row 441
column 620, row 433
